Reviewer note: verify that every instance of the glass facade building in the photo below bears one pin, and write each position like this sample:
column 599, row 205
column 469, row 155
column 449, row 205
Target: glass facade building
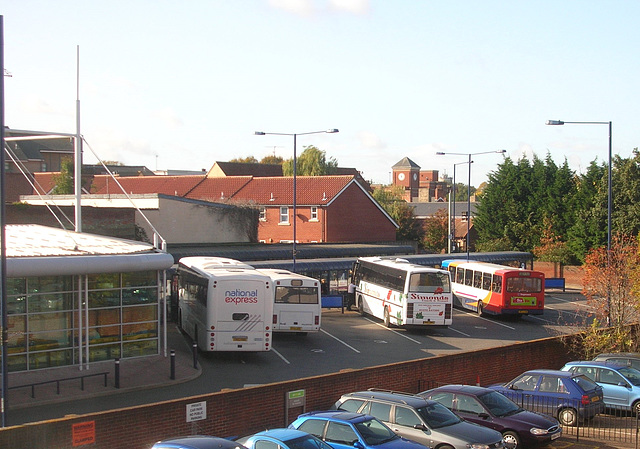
column 110, row 308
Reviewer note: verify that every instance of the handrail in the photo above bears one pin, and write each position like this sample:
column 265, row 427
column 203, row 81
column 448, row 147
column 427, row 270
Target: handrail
column 57, row 382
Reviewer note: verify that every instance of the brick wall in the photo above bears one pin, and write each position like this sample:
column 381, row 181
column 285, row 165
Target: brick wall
column 352, row 217
column 242, row 411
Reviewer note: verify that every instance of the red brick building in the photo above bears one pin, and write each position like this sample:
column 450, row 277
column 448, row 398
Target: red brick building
column 328, row 208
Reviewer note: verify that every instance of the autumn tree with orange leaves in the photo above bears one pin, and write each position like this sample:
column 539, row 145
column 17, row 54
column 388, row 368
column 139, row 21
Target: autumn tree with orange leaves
column 611, row 285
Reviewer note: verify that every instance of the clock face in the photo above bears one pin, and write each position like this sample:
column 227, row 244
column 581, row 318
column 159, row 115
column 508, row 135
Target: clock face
column 415, row 176
column 401, row 176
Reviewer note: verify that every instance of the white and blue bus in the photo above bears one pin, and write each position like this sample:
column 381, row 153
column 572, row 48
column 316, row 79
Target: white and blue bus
column 297, row 306
column 401, row 293
column 224, row 305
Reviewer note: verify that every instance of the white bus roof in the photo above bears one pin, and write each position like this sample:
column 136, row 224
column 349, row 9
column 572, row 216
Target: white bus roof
column 213, row 263
column 277, row 273
column 484, row 266
column 402, row 264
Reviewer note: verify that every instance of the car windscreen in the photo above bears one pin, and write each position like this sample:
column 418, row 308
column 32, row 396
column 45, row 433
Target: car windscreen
column 584, row 382
column 373, row 432
column 437, row 415
column 498, row 404
column 307, row 442
column 632, row 375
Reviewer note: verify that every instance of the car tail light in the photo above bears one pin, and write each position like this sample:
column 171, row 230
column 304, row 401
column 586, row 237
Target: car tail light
column 317, row 321
column 585, row 399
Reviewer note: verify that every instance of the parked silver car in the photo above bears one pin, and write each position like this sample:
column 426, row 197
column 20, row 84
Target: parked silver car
column 424, row 421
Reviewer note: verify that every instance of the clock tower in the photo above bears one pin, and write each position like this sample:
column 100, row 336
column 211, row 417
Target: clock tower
column 406, row 174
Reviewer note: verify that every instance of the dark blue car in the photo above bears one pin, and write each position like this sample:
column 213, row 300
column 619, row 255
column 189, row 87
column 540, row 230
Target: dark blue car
column 567, row 396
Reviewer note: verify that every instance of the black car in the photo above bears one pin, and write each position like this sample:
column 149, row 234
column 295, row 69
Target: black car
column 519, row 427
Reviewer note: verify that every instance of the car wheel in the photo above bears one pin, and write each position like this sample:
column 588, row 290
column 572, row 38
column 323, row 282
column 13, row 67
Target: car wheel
column 445, row 446
column 636, row 408
column 568, row 417
column 511, row 439
column 360, row 306
column 387, row 318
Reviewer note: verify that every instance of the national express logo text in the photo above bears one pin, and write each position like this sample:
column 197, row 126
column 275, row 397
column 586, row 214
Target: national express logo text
column 241, row 296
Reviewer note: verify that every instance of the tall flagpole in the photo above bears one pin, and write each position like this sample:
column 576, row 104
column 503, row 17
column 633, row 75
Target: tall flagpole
column 3, row 247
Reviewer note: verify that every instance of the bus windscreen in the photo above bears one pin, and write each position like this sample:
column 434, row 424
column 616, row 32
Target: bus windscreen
column 429, row 283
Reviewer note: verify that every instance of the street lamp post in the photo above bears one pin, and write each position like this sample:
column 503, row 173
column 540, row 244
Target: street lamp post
column 295, row 163
column 452, row 235
column 440, row 153
column 609, row 195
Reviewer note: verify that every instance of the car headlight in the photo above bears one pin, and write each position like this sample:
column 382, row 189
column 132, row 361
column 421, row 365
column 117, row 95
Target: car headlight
column 535, row 431
column 477, row 446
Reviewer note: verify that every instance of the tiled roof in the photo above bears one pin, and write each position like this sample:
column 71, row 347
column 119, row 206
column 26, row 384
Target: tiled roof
column 310, row 190
column 168, row 185
column 217, row 189
column 249, row 169
column 405, row 162
column 44, row 181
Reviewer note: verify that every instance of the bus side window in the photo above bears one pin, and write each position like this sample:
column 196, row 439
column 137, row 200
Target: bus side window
column 468, row 277
column 486, row 281
column 497, row 284
column 459, row 276
column 477, row 279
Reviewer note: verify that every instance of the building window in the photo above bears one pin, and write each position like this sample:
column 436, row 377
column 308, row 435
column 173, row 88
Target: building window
column 284, row 215
column 42, row 314
column 314, row 213
column 263, row 214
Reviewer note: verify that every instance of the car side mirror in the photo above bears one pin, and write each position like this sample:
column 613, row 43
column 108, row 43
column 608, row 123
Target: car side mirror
column 358, row 445
column 422, row 427
column 483, row 415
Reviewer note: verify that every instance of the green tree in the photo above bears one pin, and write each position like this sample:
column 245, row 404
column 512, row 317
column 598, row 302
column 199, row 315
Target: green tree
column 589, row 206
column 272, row 159
column 64, row 184
column 312, row 162
column 390, row 198
column 245, row 160
column 436, row 229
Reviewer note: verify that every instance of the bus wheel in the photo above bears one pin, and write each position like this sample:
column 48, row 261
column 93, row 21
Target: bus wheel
column 360, row 306
column 387, row 318
column 480, row 312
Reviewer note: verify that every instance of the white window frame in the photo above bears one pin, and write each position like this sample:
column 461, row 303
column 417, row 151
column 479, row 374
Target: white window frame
column 314, row 213
column 284, row 215
column 263, row 213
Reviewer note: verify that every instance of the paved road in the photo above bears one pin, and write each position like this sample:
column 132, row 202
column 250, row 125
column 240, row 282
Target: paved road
column 345, row 341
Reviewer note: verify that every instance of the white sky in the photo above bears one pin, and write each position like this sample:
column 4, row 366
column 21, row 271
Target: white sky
column 182, row 84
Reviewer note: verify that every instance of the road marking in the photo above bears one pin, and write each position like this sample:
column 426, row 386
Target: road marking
column 337, row 339
column 486, row 319
column 395, row 332
column 460, row 332
column 577, row 302
column 281, row 356
column 541, row 319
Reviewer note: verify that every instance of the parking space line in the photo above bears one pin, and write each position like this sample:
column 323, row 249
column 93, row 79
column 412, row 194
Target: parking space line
column 486, row 319
column 280, row 355
column 391, row 330
column 337, row 339
column 460, row 332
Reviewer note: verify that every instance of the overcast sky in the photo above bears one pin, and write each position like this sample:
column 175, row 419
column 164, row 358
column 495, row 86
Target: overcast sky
column 182, row 84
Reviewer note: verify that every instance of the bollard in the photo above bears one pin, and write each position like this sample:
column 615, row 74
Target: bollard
column 173, row 364
column 117, row 373
column 195, row 355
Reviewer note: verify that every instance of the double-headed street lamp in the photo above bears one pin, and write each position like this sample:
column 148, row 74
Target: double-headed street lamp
column 440, row 153
column 295, row 160
column 609, row 196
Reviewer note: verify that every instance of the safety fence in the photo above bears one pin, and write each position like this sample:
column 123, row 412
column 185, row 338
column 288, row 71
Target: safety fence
column 583, row 418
